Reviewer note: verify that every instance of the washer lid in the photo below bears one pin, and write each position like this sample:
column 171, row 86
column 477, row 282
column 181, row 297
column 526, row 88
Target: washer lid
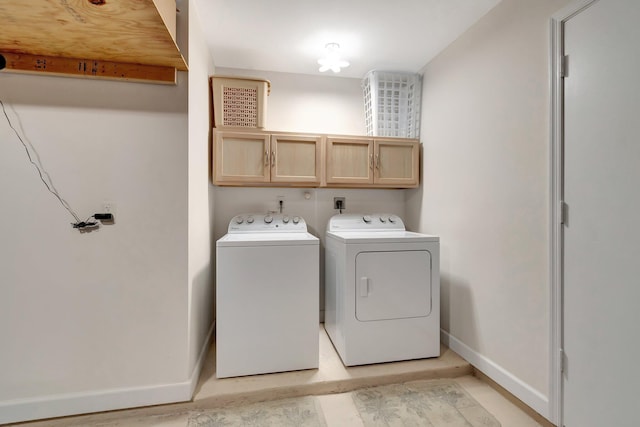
column 400, row 236
column 267, row 239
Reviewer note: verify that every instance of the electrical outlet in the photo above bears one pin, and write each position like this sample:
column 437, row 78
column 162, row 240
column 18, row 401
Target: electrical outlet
column 109, row 207
column 339, row 203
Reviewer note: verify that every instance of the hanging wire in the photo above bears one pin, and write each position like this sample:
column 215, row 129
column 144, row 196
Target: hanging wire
column 38, row 165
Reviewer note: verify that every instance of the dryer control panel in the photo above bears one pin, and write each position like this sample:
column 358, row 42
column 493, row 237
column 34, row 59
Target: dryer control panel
column 359, row 222
column 267, row 223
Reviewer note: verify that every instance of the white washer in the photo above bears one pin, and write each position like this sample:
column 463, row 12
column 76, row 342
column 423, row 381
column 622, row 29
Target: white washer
column 382, row 290
column 267, row 296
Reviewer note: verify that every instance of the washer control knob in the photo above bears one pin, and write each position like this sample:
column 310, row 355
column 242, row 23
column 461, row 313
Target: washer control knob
column 367, row 219
column 285, row 219
column 268, row 219
column 392, row 219
column 384, row 219
column 239, row 220
column 296, row 219
column 250, row 220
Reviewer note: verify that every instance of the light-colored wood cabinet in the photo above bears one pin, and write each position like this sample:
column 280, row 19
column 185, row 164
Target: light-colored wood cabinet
column 349, row 160
column 396, row 163
column 374, row 162
column 296, row 158
column 242, row 157
column 259, row 158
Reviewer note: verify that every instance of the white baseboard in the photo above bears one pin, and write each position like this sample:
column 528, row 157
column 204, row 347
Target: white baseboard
column 61, row 405
column 530, row 396
column 195, row 374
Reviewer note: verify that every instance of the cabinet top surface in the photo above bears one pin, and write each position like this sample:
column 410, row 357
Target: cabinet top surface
column 254, row 131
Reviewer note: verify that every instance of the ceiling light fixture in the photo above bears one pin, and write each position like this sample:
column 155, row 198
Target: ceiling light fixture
column 332, row 59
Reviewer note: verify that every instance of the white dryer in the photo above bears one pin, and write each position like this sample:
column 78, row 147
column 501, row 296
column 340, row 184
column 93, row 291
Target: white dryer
column 267, row 296
column 382, row 290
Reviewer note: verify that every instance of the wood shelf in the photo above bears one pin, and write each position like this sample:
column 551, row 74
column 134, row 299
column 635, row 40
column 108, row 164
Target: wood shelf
column 89, row 68
column 139, row 34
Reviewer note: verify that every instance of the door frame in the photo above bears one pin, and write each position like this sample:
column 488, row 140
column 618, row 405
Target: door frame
column 556, row 206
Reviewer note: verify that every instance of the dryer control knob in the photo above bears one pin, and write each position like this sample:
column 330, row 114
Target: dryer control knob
column 366, row 219
column 268, row 219
column 392, row 219
column 296, row 219
column 384, row 219
column 250, row 220
column 285, row 219
column 239, row 220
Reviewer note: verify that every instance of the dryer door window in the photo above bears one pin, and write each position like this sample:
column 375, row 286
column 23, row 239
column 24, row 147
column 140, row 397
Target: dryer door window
column 392, row 285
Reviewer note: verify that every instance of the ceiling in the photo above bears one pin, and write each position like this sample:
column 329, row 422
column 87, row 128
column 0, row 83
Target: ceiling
column 290, row 35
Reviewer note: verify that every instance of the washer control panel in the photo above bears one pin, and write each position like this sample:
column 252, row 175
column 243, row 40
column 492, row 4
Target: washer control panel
column 356, row 222
column 267, row 222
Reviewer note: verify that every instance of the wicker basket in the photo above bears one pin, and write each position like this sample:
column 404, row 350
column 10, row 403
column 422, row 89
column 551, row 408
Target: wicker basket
column 239, row 102
column 392, row 103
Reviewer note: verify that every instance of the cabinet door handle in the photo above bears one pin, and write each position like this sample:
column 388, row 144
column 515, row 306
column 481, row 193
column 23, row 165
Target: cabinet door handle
column 273, row 158
column 266, row 158
column 377, row 161
column 370, row 161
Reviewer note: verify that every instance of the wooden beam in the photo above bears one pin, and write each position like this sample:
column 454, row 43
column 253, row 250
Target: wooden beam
column 72, row 67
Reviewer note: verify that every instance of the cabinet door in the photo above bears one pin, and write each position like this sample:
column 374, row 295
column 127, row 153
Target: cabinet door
column 349, row 160
column 396, row 162
column 296, row 159
column 241, row 157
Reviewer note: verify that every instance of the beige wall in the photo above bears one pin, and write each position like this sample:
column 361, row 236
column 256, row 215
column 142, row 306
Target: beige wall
column 84, row 314
column 201, row 198
column 485, row 191
column 305, row 103
column 115, row 317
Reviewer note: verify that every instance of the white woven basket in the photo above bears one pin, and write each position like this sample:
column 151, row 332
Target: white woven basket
column 392, row 103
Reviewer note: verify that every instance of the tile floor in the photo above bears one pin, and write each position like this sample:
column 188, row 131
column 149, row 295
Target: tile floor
column 331, row 383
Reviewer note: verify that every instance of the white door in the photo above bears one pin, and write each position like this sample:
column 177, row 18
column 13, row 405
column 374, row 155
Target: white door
column 601, row 333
